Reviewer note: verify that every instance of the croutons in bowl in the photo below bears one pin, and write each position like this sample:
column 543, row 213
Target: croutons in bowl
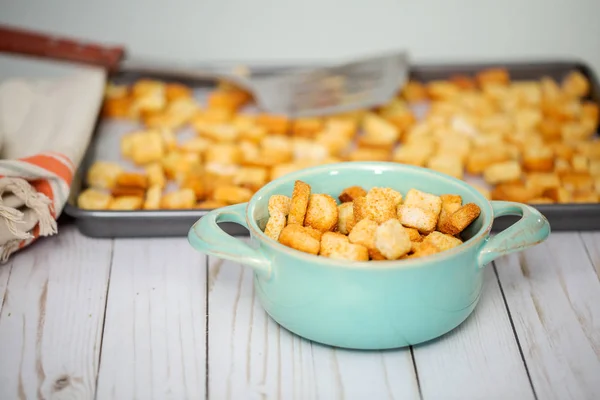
column 368, row 255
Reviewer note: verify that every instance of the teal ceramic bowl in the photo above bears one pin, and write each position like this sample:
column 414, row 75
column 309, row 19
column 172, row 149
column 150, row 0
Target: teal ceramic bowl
column 368, row 305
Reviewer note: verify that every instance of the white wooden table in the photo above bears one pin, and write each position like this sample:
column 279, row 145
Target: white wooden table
column 84, row 318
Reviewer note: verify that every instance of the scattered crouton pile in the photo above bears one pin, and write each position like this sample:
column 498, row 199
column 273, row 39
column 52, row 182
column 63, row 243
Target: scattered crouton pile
column 531, row 141
column 378, row 224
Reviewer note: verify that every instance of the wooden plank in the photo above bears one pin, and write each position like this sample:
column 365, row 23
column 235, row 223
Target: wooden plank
column 250, row 356
column 592, row 246
column 154, row 343
column 4, row 275
column 553, row 294
column 479, row 359
column 51, row 322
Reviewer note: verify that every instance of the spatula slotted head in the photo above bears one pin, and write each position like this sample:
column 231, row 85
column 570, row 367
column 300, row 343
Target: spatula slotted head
column 364, row 83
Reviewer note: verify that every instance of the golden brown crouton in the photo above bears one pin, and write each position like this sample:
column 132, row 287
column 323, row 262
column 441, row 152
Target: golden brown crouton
column 421, row 219
column 513, row 192
column 447, row 164
column 393, row 195
column 279, row 204
column 232, row 194
column 275, row 225
column 346, row 218
column 103, row 174
column 352, row 192
column 575, row 84
column 461, row 219
column 119, row 191
column 350, row 252
column 540, row 181
column 413, row 234
column 450, row 203
column 364, row 233
column 321, row 213
column 156, row 175
column 252, row 178
column 507, row 171
column 299, row 238
column 332, row 242
column 147, row 147
column 540, row 159
column 93, row 199
column 424, row 249
column 379, row 206
column 299, row 203
column 423, row 200
column 541, row 200
column 183, row 198
column 370, row 154
column 577, row 181
column 442, row 241
column 413, row 154
column 414, row 91
column 496, row 76
column 485, row 192
column 132, row 179
column 210, row 204
column 392, row 240
column 359, row 207
column 126, row 203
column 153, row 197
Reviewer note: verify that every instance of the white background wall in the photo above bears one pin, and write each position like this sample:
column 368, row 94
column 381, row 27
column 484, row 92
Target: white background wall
column 203, row 30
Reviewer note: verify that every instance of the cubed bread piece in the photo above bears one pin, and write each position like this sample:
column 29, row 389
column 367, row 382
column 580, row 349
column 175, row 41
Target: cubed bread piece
column 299, row 238
column 156, row 175
column 577, row 181
column 413, row 234
column 252, row 178
column 538, row 159
column 321, row 212
column 495, row 76
column 421, row 219
column 413, row 154
column 350, row 252
column 279, row 204
column 580, row 163
column 210, row 204
column 594, row 168
column 447, row 164
column 558, row 194
column 119, row 191
column 179, row 199
column 392, row 240
column 480, row 159
column 299, row 203
column 450, row 203
column 93, row 199
column 103, row 174
column 346, row 218
column 485, row 192
column 370, row 154
column 223, row 153
column 575, row 84
column 359, row 207
column 541, row 200
column 393, row 195
column 502, row 172
column 364, row 233
column 352, row 192
column 132, row 179
column 461, row 219
column 231, row 194
column 442, row 241
column 126, row 203
column 513, row 192
column 378, row 131
column 147, row 147
column 424, row 249
column 332, row 242
column 379, row 206
column 275, row 225
column 540, row 181
column 276, row 124
column 307, row 127
column 153, row 198
column 426, row 201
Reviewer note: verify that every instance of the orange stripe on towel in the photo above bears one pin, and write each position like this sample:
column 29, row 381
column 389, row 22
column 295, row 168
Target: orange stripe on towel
column 53, row 165
column 43, row 186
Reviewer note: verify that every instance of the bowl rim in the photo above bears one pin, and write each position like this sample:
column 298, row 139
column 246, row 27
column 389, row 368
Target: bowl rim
column 485, row 205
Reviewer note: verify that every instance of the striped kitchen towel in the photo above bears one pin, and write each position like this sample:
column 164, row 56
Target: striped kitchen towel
column 45, row 128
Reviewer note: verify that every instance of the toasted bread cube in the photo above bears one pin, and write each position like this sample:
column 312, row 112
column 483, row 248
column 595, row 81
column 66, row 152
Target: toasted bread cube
column 485, row 192
column 174, row 91
column 502, row 172
column 363, row 233
column 197, row 184
column 496, row 76
column 580, row 163
column 517, row 192
column 392, row 240
column 442, row 241
column 425, row 249
column 120, row 191
column 153, row 198
column 442, row 90
column 346, row 218
column 333, row 242
column 359, row 208
column 275, row 124
column 413, row 234
column 480, row 159
column 379, row 131
column 223, row 153
column 575, row 84
column 307, row 127
column 583, row 197
column 577, row 181
column 461, row 219
column 413, row 154
column 540, row 181
column 252, row 178
column 421, row 219
column 527, row 119
column 541, row 200
column 179, row 199
column 132, row 179
column 594, row 168
column 232, row 194
column 126, row 203
column 414, row 91
column 379, row 206
column 447, row 164
column 156, row 175
column 299, row 203
column 321, row 212
column 558, row 194
column 424, row 200
column 210, row 204
column 393, row 195
column 299, row 238
column 147, row 148
column 538, row 159
column 279, row 204
column 370, row 154
column 197, row 144
column 352, row 192
column 450, row 203
column 103, row 174
column 93, row 199
column 350, row 252
column 576, row 131
column 275, row 225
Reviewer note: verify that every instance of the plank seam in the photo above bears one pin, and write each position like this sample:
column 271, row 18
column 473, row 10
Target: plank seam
column 10, row 267
column 587, row 251
column 514, row 330
column 106, row 294
column 206, row 336
column 414, row 363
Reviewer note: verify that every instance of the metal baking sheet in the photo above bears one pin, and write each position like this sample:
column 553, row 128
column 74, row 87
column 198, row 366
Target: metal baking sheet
column 156, row 223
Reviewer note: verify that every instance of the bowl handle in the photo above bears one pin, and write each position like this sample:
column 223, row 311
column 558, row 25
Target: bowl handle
column 533, row 228
column 207, row 237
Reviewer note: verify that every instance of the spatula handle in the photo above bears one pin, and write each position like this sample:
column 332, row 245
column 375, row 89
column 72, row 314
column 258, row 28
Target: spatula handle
column 21, row 41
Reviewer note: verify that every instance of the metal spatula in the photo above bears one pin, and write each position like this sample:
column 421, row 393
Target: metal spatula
column 361, row 83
